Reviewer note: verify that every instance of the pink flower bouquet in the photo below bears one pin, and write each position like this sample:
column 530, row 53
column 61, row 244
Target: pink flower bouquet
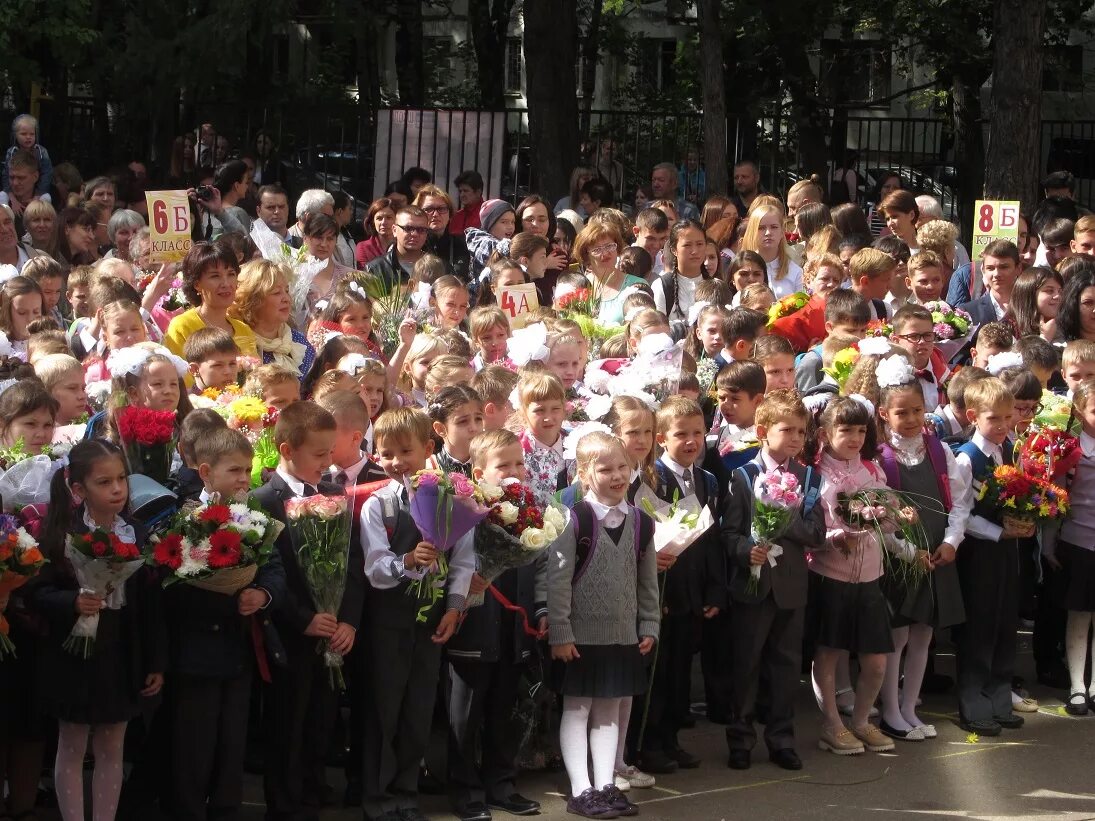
column 445, row 506
column 778, row 496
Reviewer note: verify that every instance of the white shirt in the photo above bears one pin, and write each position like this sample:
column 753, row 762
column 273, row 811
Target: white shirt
column 977, row 526
column 678, row 470
column 352, row 472
column 930, row 389
column 790, row 284
column 367, row 440
column 911, row 452
column 1000, row 311
column 296, row 485
column 686, row 295
column 608, row 516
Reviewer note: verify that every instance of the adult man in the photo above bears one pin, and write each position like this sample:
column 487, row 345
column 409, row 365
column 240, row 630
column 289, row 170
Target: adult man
column 746, row 186
column 274, row 211
column 412, row 226
column 930, row 209
column 12, row 251
column 22, row 177
column 663, row 182
column 1000, row 267
column 1059, row 184
column 312, row 201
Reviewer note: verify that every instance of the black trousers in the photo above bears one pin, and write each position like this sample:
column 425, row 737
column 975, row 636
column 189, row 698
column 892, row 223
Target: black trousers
column 989, row 574
column 299, row 713
column 716, row 662
column 670, row 687
column 484, row 736
column 209, row 739
column 358, row 696
column 1050, row 620
column 764, row 638
column 403, row 683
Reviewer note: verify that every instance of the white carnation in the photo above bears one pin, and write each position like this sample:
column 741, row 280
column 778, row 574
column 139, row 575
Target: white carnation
column 492, row 493
column 553, row 517
column 25, row 540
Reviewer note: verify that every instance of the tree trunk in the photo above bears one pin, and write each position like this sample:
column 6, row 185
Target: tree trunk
column 969, row 148
column 1015, row 106
column 551, row 31
column 590, row 48
column 410, row 68
column 712, row 76
column 489, row 26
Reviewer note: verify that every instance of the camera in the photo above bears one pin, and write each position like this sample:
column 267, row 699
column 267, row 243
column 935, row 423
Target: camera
column 204, row 192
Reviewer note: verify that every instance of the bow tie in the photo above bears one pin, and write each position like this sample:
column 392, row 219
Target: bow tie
column 925, row 374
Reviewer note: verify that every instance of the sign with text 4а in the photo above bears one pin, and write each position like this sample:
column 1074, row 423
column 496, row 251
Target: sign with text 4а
column 169, row 222
column 518, row 301
column 993, row 220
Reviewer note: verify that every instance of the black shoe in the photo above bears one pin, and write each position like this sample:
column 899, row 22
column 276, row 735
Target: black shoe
column 1055, row 677
column 900, row 735
column 472, row 811
column 1010, row 722
column 613, row 798
column 786, row 758
column 352, row 796
column 590, row 804
column 685, row 760
column 515, row 804
column 739, row 760
column 688, row 722
column 1077, row 704
column 985, row 728
column 429, row 784
column 657, row 763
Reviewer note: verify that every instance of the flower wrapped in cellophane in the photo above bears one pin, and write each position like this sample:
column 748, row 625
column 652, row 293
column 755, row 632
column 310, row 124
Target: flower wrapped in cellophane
column 677, row 524
column 20, row 561
column 103, row 563
column 777, row 497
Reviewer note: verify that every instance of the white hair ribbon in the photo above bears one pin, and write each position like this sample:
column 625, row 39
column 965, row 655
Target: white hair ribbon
column 351, row 363
column 894, row 371
column 574, row 438
column 528, row 344
column 864, row 401
column 694, row 311
column 873, row 346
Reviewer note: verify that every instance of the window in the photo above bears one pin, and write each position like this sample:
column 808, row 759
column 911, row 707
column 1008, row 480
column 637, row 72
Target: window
column 1063, row 69
column 514, row 74
column 655, row 62
column 856, row 71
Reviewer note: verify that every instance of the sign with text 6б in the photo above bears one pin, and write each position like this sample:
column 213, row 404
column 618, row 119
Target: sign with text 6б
column 993, row 220
column 169, row 223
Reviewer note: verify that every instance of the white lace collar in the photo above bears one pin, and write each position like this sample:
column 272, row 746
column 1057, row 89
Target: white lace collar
column 908, row 450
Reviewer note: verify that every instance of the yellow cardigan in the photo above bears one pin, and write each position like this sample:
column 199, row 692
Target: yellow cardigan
column 187, row 322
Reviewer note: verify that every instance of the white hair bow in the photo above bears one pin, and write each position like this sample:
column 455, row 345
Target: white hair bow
column 528, row 344
column 132, row 360
column 570, row 444
column 8, row 272
column 894, row 371
column 351, row 363
column 421, row 296
column 598, row 405
column 864, row 401
column 999, row 361
column 655, row 344
column 355, row 286
column 694, row 311
column 874, row 346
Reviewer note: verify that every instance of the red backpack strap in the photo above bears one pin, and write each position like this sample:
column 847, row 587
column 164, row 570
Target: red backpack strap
column 938, row 459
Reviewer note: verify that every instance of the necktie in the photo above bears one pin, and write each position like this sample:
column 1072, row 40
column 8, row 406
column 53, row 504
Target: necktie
column 925, row 374
column 341, row 477
column 686, row 481
column 309, row 490
column 403, row 498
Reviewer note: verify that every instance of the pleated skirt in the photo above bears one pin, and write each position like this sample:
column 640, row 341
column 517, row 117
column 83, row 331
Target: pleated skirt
column 602, row 671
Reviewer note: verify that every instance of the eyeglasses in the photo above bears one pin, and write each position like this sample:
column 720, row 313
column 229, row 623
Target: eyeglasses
column 437, row 209
column 413, row 229
column 1025, row 411
column 604, row 250
column 918, row 339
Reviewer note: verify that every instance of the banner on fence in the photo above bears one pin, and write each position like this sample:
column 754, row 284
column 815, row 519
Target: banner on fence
column 518, row 302
column 169, row 224
column 993, row 220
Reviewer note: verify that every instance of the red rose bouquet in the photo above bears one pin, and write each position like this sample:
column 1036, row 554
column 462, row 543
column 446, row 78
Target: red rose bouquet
column 1049, row 453
column 148, row 437
column 20, row 560
column 102, row 562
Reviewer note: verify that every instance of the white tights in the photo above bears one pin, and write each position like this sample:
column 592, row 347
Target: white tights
column 899, row 704
column 106, row 780
column 1079, row 621
column 621, row 745
column 600, row 718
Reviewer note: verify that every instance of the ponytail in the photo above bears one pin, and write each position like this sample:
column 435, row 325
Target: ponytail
column 62, row 506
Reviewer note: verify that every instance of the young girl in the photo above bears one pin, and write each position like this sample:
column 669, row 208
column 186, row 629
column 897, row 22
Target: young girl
column 850, row 608
column 446, row 370
column 489, row 329
column 764, row 234
column 705, row 341
column 122, row 327
column 675, row 291
column 598, row 648
column 777, row 357
column 541, row 403
column 565, row 358
column 415, row 364
column 349, row 311
column 501, row 273
column 328, row 355
column 97, row 695
column 449, row 302
column 747, row 269
column 646, row 323
column 633, row 423
column 148, row 376
column 757, row 297
column 20, row 304
column 372, row 381
column 920, row 466
column 457, row 416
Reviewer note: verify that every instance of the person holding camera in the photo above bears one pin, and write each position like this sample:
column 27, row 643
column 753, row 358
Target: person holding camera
column 213, row 218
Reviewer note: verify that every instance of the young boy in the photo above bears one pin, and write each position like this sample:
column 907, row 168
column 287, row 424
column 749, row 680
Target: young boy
column 846, row 313
column 1077, row 363
column 740, row 330
column 404, row 684
column 913, row 330
column 50, row 277
column 495, row 385
column 694, row 589
column 1042, row 358
column 198, row 423
column 64, row 379
column 949, row 420
column 766, row 627
column 213, row 357
column 1083, row 237
column 988, row 563
column 651, row 231
column 485, row 661
column 350, row 465
column 213, row 652
column 739, row 390
column 78, row 291
column 991, row 339
column 300, row 704
column 872, row 273
column 277, row 386
column 925, row 277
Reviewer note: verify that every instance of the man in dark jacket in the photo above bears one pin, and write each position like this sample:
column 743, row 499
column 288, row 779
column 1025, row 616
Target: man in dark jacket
column 411, row 232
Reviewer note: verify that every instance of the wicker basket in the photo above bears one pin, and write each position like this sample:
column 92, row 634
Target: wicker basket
column 229, row 581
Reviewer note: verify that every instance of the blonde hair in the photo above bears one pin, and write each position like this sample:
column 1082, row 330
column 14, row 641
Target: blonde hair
column 46, row 343
column 266, row 376
column 1078, row 351
column 644, row 319
column 494, row 383
column 870, row 263
column 444, row 372
column 674, row 408
column 1081, row 393
column 779, row 406
column 328, row 384
column 485, row 317
column 987, row 394
column 403, row 423
column 53, row 367
column 422, row 345
column 623, row 406
column 490, row 441
column 938, row 236
column 864, row 376
column 256, row 280
column 539, row 387
column 591, row 447
column 924, row 259
column 814, row 265
column 751, row 240
column 826, row 240
column 752, row 294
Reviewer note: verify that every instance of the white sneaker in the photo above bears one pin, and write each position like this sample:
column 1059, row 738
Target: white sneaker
column 633, row 777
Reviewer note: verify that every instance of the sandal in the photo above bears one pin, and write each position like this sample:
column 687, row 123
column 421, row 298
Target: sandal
column 1077, row 704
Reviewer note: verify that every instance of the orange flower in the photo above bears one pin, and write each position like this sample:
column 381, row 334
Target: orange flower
column 31, row 556
column 5, row 551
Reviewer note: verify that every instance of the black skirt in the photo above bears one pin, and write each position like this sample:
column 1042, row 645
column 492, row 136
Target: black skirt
column 1079, row 566
column 602, row 671
column 851, row 616
column 936, row 600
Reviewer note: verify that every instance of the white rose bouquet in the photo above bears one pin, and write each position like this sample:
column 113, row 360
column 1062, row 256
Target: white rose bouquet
column 515, row 531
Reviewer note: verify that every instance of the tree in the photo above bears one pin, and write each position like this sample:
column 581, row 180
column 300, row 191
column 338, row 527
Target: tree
column 712, row 78
column 591, row 44
column 490, row 21
column 410, row 67
column 551, row 31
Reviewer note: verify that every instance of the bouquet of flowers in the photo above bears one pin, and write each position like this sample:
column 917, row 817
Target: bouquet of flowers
column 1047, row 453
column 951, row 325
column 24, row 477
column 706, row 371
column 320, row 528
column 677, row 524
column 219, row 399
column 843, row 365
column 1022, row 497
column 304, row 269
column 514, row 533
column 20, row 560
column 583, row 301
column 895, row 522
column 1056, row 412
column 778, row 496
column 391, row 304
column 879, row 327
column 255, row 419
column 445, row 506
column 216, row 547
column 102, row 563
column 656, row 368
column 148, row 437
column 791, row 304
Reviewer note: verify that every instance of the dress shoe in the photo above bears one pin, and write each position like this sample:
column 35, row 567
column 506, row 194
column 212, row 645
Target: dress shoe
column 472, row 811
column 1077, row 705
column 739, row 760
column 985, row 728
column 657, row 762
column 590, row 804
column 515, row 804
column 786, row 758
column 1010, row 722
column 615, row 800
column 685, row 760
column 915, row 734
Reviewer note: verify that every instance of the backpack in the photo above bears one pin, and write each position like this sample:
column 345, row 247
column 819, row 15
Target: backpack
column 587, row 532
column 936, row 456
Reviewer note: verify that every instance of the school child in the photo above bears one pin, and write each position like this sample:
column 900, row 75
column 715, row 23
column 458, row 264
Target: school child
column 333, row 382
column 349, row 311
column 757, row 297
column 497, row 222
column 277, row 386
column 213, row 651
column 50, row 277
column 991, row 338
column 949, row 421
column 97, row 695
column 542, row 407
column 565, row 358
column 146, row 375
column 739, row 388
column 25, row 137
column 742, row 329
column 489, row 330
column 708, row 323
column 63, row 378
column 675, row 291
column 456, row 414
column 78, row 291
column 20, row 304
column 299, row 702
column 213, row 357
column 495, row 385
column 501, row 273
column 351, row 463
column 45, row 341
column 1077, row 363
column 925, row 277
column 412, row 362
column 603, row 618
column 1043, row 359
column 122, row 327
column 328, row 355
column 872, row 273
column 200, row 422
column 988, row 564
column 449, row 302
column 913, row 330
column 449, row 369
column 766, row 625
column 846, row 313
column 403, row 688
column 777, row 357
column 921, row 467
column 647, row 322
column 651, row 230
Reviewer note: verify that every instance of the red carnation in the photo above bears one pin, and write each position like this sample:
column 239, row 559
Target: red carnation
column 224, row 549
column 122, row 550
column 219, row 514
column 168, row 551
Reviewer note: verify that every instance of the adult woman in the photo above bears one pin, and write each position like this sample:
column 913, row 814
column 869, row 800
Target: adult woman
column 379, row 225
column 1036, row 301
column 1076, row 318
column 901, row 213
column 320, row 235
column 888, row 182
column 120, row 229
column 452, row 250
column 68, row 182
column 764, row 234
column 716, row 208
column 939, row 236
column 534, row 216
column 40, row 220
column 209, row 276
column 344, row 215
column 233, row 180
column 597, row 249
column 578, row 177
column 1028, row 242
column 850, row 221
column 103, row 191
column 267, row 167
column 76, row 237
column 263, row 303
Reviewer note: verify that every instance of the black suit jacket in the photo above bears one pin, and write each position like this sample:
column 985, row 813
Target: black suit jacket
column 981, row 309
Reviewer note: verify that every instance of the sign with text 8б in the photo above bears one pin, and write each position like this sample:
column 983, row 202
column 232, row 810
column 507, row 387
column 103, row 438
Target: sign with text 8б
column 169, row 224
column 993, row 220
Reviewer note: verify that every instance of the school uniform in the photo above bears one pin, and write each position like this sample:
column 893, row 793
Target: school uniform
column 300, row 704
column 988, row 569
column 213, row 653
column 403, row 678
column 766, row 628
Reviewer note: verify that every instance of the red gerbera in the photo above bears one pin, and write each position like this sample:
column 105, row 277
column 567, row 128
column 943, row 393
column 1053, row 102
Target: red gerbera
column 219, row 514
column 224, row 549
column 168, row 551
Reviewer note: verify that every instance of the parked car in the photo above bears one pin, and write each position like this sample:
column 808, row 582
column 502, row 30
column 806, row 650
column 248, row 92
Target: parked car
column 337, row 167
